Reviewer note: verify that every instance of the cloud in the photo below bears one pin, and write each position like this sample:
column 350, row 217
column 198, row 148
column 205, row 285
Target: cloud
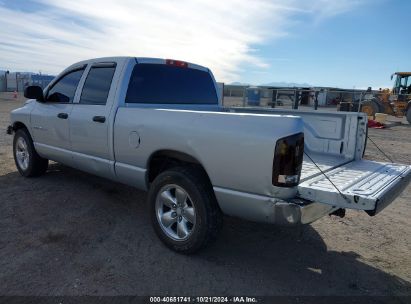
column 221, row 34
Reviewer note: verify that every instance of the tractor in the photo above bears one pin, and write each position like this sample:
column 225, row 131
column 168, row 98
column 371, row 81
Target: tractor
column 395, row 102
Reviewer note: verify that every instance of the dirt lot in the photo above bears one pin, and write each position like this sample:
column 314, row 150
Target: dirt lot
column 70, row 233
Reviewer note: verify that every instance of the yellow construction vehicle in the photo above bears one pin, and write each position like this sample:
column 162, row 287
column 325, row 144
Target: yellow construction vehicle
column 393, row 102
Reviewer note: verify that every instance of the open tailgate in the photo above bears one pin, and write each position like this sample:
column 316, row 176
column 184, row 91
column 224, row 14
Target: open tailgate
column 365, row 185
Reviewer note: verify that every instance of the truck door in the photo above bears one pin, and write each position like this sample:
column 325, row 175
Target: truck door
column 90, row 121
column 50, row 119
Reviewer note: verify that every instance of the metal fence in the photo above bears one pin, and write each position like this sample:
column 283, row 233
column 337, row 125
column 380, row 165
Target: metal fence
column 295, row 98
column 15, row 81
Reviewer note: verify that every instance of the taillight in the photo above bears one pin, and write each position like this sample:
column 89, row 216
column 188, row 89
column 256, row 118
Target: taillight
column 177, row 63
column 288, row 160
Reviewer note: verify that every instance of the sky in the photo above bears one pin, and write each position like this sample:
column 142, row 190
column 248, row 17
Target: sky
column 346, row 44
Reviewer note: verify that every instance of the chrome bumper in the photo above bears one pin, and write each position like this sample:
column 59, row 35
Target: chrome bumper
column 266, row 209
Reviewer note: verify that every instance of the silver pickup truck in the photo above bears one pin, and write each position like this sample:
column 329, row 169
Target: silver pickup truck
column 158, row 125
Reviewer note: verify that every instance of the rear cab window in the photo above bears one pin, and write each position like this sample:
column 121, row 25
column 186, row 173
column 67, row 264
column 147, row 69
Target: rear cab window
column 169, row 84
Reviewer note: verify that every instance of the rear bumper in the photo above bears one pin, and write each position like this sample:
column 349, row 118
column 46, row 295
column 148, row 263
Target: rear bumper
column 267, row 209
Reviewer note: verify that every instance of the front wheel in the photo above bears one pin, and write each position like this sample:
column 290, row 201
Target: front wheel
column 184, row 211
column 28, row 162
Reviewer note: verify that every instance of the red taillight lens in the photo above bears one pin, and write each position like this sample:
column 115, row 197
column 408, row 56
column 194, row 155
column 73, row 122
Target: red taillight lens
column 288, row 160
column 177, row 63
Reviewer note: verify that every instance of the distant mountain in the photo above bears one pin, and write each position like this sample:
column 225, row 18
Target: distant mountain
column 239, row 83
column 276, row 84
column 287, row 84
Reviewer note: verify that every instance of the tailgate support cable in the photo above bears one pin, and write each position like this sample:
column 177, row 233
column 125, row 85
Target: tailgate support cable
column 322, row 172
column 379, row 148
column 336, row 188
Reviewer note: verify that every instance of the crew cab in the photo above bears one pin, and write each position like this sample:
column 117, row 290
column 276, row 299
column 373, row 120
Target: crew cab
column 158, row 125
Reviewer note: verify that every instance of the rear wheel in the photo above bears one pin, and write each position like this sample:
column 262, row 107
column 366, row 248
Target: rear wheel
column 184, row 211
column 28, row 162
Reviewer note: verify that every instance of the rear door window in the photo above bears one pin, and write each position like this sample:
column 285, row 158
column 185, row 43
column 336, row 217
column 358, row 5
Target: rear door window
column 166, row 84
column 97, row 85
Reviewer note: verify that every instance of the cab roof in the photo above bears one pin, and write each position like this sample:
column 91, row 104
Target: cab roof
column 403, row 73
column 141, row 60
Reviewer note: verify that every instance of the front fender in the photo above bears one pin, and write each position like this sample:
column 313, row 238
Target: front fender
column 20, row 117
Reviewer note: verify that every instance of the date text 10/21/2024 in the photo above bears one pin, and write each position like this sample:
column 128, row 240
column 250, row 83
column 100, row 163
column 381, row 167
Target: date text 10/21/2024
column 240, row 299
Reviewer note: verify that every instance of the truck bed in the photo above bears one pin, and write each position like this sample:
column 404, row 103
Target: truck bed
column 335, row 141
column 331, row 138
column 325, row 162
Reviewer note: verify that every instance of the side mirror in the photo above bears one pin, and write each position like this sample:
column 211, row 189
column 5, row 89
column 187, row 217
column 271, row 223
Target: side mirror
column 34, row 92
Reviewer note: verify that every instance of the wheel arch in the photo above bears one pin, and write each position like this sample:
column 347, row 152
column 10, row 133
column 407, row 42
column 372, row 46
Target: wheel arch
column 37, row 165
column 19, row 125
column 162, row 160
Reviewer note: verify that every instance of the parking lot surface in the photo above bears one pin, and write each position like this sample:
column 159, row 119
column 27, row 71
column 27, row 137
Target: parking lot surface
column 71, row 233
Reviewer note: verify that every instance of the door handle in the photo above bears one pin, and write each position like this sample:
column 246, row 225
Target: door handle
column 62, row 115
column 101, row 119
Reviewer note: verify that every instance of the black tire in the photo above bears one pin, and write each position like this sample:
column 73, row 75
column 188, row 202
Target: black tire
column 208, row 216
column 379, row 104
column 408, row 115
column 36, row 165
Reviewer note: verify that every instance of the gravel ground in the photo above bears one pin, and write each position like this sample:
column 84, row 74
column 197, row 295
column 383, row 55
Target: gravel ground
column 70, row 233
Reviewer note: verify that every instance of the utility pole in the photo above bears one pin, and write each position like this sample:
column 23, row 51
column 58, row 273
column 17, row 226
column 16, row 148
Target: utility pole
column 5, row 78
column 17, row 81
